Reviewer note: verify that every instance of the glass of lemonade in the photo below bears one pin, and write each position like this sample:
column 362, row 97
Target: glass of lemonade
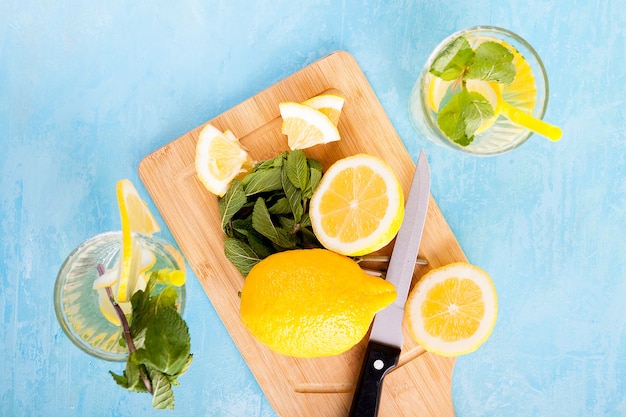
column 433, row 96
column 78, row 305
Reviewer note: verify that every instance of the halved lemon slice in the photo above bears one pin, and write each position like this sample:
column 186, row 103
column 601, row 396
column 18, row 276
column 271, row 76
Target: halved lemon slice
column 107, row 309
column 135, row 217
column 328, row 104
column 219, row 159
column 306, row 126
column 358, row 206
column 452, row 309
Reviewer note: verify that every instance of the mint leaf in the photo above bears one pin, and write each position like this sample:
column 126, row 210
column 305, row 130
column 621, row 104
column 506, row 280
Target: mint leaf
column 492, row 62
column 297, row 169
column 451, row 63
column 159, row 344
column 477, row 110
column 130, row 379
column 315, row 175
column 463, row 115
column 261, row 181
column 262, row 223
column 294, row 197
column 174, row 378
column 240, row 254
column 167, row 343
column 231, row 202
column 163, row 395
column 280, row 207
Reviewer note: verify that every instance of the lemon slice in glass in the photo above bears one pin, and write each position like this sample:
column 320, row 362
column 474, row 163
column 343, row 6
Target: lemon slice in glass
column 136, row 218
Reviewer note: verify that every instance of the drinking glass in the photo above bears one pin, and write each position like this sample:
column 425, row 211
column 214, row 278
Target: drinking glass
column 503, row 135
column 76, row 303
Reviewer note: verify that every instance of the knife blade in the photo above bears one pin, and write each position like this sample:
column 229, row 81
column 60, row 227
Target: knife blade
column 385, row 343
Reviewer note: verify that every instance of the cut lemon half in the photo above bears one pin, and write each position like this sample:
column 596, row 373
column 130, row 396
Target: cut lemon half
column 452, row 309
column 328, row 104
column 220, row 158
column 358, row 206
column 136, row 218
column 306, row 126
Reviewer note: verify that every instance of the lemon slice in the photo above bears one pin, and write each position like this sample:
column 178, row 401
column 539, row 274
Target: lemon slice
column 437, row 90
column 107, row 309
column 328, row 104
column 452, row 309
column 219, row 159
column 108, row 279
column 135, row 217
column 306, row 126
column 358, row 206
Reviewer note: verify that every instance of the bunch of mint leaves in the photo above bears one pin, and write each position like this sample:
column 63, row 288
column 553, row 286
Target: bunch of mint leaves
column 267, row 211
column 465, row 111
column 159, row 344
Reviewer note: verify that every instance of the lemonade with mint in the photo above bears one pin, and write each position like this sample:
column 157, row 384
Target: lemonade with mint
column 484, row 91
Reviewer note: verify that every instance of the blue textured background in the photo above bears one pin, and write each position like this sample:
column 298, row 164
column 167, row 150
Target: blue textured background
column 87, row 89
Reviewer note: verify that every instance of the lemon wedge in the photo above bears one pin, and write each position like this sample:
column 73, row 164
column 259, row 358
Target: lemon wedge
column 220, row 158
column 306, row 126
column 329, row 104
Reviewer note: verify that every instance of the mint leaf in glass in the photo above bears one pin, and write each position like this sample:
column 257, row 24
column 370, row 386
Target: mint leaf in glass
column 453, row 60
column 492, row 62
column 463, row 115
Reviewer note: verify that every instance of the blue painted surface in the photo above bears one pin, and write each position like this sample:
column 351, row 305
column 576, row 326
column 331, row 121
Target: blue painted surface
column 87, row 89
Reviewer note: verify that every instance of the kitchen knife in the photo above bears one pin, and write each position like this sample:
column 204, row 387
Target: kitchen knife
column 385, row 343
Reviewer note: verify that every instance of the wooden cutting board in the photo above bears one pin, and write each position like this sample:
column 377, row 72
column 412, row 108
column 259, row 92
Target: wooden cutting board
column 320, row 387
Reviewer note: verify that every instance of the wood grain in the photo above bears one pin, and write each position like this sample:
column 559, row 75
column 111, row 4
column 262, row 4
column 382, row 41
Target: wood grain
column 320, row 387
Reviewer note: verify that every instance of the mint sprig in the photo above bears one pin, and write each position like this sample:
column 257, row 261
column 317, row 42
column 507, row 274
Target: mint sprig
column 267, row 211
column 465, row 111
column 158, row 342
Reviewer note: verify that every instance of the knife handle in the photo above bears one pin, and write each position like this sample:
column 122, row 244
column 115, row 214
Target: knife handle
column 379, row 359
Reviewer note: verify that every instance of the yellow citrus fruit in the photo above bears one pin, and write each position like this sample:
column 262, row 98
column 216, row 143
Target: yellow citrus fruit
column 522, row 92
column 311, row 302
column 358, row 206
column 107, row 309
column 219, row 159
column 328, row 104
column 136, row 218
column 306, row 126
column 452, row 309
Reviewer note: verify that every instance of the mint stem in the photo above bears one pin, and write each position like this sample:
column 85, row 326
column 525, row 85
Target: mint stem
column 126, row 330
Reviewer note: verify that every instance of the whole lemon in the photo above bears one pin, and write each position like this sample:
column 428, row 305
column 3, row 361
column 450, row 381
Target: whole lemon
column 311, row 302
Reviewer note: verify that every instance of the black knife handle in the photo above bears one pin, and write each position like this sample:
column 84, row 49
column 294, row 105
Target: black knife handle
column 379, row 359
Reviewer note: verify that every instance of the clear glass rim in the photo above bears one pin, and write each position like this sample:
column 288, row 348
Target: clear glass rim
column 541, row 78
column 58, row 294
